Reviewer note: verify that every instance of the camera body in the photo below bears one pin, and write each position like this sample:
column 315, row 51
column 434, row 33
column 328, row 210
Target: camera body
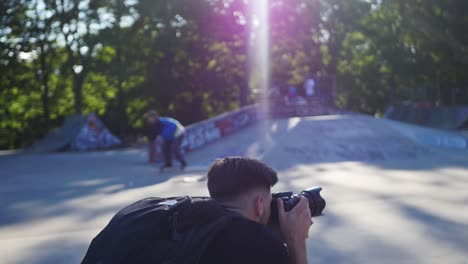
column 316, row 202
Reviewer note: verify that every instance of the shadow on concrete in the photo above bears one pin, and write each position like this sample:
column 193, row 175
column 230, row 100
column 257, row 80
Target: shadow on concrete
column 60, row 251
column 32, row 183
column 283, row 143
column 43, row 186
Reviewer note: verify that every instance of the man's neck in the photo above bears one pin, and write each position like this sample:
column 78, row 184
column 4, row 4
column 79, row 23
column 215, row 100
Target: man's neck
column 234, row 208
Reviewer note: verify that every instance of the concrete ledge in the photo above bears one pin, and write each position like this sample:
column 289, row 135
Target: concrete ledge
column 443, row 117
column 429, row 136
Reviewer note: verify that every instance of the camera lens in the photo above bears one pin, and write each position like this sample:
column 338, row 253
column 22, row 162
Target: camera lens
column 316, row 202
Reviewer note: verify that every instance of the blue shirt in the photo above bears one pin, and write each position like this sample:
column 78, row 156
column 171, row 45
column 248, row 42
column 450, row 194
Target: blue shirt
column 166, row 127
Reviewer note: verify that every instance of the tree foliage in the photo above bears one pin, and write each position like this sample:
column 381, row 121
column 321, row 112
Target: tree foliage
column 189, row 59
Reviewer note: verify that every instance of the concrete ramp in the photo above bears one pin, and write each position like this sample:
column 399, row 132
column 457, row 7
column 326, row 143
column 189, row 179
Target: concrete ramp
column 59, row 138
column 338, row 138
column 395, row 193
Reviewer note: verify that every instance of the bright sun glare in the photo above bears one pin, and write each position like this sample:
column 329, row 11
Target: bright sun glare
column 259, row 55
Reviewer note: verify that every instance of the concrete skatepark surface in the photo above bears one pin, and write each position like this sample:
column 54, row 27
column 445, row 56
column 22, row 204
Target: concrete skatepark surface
column 393, row 196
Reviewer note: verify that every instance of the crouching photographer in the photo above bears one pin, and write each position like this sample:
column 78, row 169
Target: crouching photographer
column 233, row 226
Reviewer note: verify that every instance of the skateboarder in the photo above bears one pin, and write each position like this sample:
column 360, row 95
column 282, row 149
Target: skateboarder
column 172, row 133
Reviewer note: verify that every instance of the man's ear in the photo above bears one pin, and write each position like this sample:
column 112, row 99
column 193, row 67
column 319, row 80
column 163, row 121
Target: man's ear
column 259, row 209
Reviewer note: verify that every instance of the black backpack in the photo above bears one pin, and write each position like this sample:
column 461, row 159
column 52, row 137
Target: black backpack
column 159, row 230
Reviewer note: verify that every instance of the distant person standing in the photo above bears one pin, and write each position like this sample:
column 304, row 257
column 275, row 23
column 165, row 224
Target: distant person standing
column 292, row 92
column 309, row 87
column 291, row 97
column 172, row 133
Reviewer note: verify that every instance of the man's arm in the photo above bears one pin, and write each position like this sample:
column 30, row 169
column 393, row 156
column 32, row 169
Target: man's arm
column 298, row 252
column 154, row 131
column 294, row 227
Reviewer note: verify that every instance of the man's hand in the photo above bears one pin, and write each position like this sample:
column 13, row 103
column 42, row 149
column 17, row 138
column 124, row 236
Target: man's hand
column 295, row 226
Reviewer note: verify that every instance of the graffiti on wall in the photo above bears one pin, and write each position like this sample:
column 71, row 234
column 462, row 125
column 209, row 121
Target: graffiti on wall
column 203, row 133
column 200, row 135
column 236, row 121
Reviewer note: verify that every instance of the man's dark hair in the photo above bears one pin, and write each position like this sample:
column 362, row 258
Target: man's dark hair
column 151, row 113
column 232, row 176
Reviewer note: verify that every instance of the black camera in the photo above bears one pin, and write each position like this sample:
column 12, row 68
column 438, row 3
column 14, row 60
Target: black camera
column 316, row 202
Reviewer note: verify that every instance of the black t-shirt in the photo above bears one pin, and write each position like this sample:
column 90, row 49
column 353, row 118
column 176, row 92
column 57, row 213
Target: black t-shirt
column 244, row 241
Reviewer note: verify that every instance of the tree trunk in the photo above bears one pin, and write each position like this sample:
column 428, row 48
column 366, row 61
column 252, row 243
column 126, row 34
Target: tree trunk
column 122, row 119
column 45, row 85
column 77, row 91
column 392, row 88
